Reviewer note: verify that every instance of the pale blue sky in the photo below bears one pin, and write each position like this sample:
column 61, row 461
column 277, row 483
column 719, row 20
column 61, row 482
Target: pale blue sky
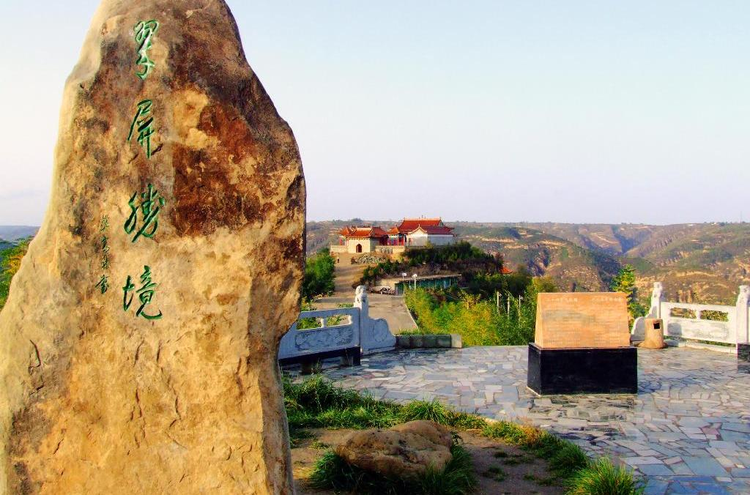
column 575, row 111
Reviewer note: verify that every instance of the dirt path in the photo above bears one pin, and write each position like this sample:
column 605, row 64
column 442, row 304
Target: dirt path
column 499, row 468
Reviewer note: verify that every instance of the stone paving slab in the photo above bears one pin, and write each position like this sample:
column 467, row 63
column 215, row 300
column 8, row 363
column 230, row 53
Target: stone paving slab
column 686, row 431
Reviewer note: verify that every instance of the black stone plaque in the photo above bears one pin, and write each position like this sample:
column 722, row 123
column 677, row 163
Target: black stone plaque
column 580, row 371
column 743, row 352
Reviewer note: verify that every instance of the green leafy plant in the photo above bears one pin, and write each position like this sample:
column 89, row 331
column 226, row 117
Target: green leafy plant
column 604, row 478
column 431, row 411
column 624, row 281
column 319, row 275
column 478, row 321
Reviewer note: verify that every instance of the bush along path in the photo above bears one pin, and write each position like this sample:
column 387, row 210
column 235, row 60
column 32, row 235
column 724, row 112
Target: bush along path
column 317, row 404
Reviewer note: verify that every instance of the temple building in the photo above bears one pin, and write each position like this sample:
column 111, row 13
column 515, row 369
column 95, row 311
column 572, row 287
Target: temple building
column 361, row 239
column 415, row 232
column 410, row 233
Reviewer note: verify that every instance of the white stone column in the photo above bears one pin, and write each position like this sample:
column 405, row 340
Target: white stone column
column 361, row 302
column 742, row 319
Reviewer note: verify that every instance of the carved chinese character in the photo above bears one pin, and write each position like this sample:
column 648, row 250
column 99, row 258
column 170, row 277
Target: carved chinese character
column 145, row 294
column 143, row 123
column 149, row 207
column 144, row 32
column 103, row 284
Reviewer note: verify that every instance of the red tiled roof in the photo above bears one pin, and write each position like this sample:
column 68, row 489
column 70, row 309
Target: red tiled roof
column 352, row 231
column 432, row 226
column 507, row 271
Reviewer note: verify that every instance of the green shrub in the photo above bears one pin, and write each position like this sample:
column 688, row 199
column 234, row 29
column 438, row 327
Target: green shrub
column 319, row 275
column 568, row 459
column 478, row 321
column 604, row 478
column 431, row 411
column 460, row 257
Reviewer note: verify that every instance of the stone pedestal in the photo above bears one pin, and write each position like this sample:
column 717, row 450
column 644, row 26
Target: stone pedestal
column 743, row 352
column 581, row 345
column 583, row 370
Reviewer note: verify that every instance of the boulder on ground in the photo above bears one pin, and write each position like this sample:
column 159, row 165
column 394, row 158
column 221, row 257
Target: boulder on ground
column 404, row 451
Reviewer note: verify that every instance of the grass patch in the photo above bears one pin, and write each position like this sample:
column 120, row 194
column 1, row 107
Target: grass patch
column 564, row 458
column 333, row 472
column 604, row 478
column 317, row 403
column 549, row 481
column 431, row 411
column 495, row 473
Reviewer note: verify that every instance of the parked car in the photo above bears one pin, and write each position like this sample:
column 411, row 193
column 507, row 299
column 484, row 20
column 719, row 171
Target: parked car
column 382, row 289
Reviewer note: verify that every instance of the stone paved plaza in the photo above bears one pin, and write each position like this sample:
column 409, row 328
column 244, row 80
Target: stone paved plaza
column 687, row 430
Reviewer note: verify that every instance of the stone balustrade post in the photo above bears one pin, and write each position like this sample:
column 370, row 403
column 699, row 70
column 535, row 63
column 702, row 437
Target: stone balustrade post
column 743, row 317
column 361, row 302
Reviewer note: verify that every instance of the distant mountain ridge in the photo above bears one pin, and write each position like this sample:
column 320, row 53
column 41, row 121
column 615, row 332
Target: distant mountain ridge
column 704, row 262
column 13, row 233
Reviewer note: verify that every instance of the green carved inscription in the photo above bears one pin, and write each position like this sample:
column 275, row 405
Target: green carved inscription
column 143, row 123
column 145, row 294
column 148, row 204
column 144, row 33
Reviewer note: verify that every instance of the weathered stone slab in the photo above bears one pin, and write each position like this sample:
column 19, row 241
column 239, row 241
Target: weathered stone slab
column 567, row 320
column 138, row 345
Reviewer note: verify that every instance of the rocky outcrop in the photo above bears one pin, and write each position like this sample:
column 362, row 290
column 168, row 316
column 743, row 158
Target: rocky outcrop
column 404, row 451
column 138, row 346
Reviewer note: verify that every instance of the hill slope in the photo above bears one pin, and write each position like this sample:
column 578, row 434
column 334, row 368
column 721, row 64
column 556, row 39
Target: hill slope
column 700, row 262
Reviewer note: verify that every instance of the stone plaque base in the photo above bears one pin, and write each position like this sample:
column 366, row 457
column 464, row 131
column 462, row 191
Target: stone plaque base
column 579, row 371
column 743, row 352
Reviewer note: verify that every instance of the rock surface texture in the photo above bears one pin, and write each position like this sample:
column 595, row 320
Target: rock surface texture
column 138, row 345
column 404, row 451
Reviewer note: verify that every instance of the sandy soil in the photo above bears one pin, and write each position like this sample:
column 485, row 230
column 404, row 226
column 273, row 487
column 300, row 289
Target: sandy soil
column 521, row 472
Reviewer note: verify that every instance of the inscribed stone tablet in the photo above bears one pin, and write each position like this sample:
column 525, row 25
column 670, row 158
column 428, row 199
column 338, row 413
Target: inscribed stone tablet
column 138, row 346
column 582, row 319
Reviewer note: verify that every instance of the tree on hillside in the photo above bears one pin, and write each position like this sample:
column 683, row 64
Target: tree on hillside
column 624, row 281
column 11, row 262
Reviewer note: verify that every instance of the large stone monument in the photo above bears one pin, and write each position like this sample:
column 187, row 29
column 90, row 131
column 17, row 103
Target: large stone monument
column 138, row 345
column 582, row 345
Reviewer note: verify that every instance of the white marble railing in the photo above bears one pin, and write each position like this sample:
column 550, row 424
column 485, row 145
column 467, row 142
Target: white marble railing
column 735, row 329
column 370, row 335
